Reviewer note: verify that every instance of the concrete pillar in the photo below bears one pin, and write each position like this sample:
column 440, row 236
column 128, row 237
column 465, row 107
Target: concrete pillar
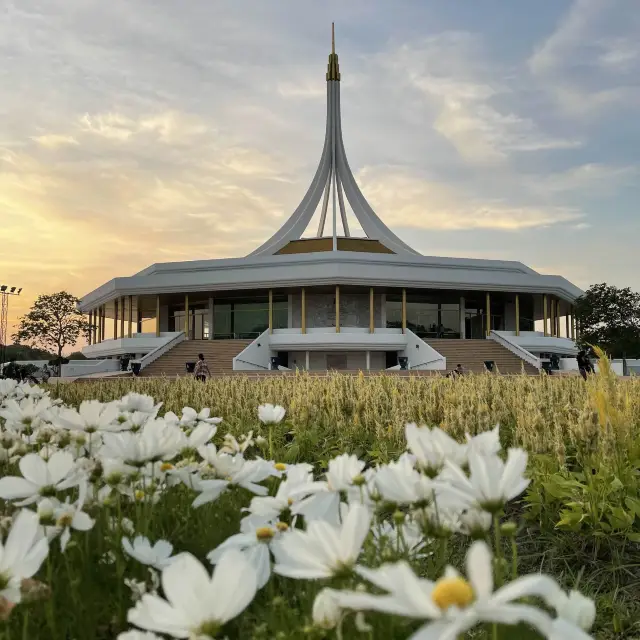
column 211, row 318
column 115, row 319
column 337, row 308
column 187, row 320
column 463, row 324
column 157, row 316
column 90, row 326
column 130, row 331
column 306, row 359
column 488, row 314
column 517, row 314
column 544, row 313
column 404, row 311
column 122, row 310
column 371, row 312
column 270, row 310
column 368, row 360
column 303, row 312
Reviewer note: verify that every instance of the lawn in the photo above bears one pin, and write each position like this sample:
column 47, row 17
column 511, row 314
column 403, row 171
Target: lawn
column 125, row 472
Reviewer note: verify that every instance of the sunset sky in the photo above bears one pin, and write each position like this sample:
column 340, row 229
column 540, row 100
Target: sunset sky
column 142, row 131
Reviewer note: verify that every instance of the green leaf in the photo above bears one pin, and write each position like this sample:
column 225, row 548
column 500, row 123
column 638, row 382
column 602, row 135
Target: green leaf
column 633, row 504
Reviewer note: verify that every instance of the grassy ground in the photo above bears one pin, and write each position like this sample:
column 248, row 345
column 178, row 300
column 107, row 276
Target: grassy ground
column 579, row 520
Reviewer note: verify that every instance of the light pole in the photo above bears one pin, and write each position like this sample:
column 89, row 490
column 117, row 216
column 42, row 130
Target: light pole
column 5, row 292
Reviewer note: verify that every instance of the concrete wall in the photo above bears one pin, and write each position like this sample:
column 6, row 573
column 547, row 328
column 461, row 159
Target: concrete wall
column 356, row 360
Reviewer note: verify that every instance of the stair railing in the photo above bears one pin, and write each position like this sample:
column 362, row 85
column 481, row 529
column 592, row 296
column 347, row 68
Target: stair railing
column 152, row 356
column 517, row 350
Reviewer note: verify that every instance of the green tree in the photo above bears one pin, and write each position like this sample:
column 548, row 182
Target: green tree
column 53, row 322
column 610, row 318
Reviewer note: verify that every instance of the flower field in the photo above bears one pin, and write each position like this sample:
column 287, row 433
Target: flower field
column 332, row 507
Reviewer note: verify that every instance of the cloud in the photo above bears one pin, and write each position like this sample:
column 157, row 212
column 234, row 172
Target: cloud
column 591, row 61
column 404, row 200
column 474, row 97
column 54, row 140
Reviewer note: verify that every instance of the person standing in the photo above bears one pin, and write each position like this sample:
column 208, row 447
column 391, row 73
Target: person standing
column 583, row 363
column 201, row 370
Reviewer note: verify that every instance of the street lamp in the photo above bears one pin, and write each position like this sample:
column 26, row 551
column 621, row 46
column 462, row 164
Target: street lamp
column 4, row 308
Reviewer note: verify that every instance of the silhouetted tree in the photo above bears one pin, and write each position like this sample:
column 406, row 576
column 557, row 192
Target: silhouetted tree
column 610, row 318
column 53, row 322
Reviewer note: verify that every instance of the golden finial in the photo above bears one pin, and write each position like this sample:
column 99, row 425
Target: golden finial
column 333, row 71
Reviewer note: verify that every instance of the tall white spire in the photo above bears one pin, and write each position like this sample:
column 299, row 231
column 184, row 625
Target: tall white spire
column 333, row 178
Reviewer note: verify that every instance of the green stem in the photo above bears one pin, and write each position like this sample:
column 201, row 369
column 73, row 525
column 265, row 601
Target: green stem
column 25, row 625
column 514, row 558
column 498, row 548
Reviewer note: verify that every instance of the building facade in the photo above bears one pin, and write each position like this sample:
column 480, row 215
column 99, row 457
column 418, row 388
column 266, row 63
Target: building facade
column 334, row 301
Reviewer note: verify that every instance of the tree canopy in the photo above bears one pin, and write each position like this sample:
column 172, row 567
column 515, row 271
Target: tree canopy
column 53, row 322
column 25, row 352
column 609, row 317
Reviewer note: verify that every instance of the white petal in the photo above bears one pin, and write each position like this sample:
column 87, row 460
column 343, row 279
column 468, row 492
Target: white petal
column 59, row 465
column 34, row 469
column 480, row 569
column 13, row 487
column 186, row 585
column 354, row 531
column 234, row 583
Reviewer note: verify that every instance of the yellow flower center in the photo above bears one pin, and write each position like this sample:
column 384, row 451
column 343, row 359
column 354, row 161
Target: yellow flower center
column 139, row 494
column 166, row 466
column 265, row 533
column 280, row 466
column 289, row 501
column 282, row 526
column 65, row 520
column 449, row 592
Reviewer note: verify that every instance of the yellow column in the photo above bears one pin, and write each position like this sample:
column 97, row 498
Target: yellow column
column 115, row 319
column 100, row 324
column 303, row 312
column 517, row 314
column 337, row 308
column 122, row 308
column 130, row 316
column 371, row 311
column 404, row 311
column 544, row 313
column 488, row 314
column 157, row 316
column 270, row 310
column 187, row 323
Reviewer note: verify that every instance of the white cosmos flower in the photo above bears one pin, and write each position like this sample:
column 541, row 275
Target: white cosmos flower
column 271, row 414
column 197, row 605
column 40, row 478
column 158, row 555
column 322, row 550
column 236, row 471
column 254, row 542
column 155, row 441
column 454, row 604
column 491, row 482
column 432, row 447
column 70, row 516
column 326, row 611
column 198, row 437
column 576, row 609
column 91, row 416
column 133, row 402
column 191, row 417
column 486, row 443
column 22, row 554
column 562, row 629
column 322, row 499
column 265, row 509
column 29, row 413
column 400, row 483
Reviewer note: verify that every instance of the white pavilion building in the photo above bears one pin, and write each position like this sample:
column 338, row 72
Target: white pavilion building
column 333, row 301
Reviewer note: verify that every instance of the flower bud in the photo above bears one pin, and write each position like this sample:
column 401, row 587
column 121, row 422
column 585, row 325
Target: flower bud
column 326, row 612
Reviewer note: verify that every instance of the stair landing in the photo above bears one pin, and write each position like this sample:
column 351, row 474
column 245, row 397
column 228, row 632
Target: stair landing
column 471, row 354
